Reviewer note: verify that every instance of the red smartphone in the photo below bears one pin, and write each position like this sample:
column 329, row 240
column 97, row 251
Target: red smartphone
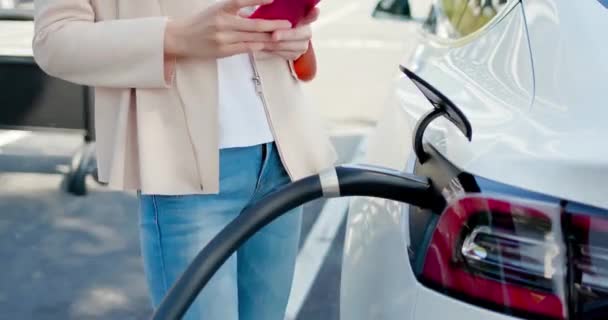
column 292, row 10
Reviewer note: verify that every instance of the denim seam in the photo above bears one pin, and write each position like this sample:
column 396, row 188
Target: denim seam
column 266, row 160
column 160, row 245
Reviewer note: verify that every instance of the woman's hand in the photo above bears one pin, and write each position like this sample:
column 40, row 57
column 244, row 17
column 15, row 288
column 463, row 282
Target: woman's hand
column 293, row 43
column 219, row 32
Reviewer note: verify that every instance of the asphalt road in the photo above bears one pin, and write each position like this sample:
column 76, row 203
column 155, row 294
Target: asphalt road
column 67, row 257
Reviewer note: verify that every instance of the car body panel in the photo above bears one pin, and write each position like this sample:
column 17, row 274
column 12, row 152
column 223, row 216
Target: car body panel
column 16, row 38
column 17, row 28
column 533, row 145
column 569, row 44
column 491, row 76
column 433, row 305
column 377, row 279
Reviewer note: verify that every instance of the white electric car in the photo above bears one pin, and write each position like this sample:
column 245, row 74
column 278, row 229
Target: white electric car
column 503, row 105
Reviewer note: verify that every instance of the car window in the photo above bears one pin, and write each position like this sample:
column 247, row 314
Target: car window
column 458, row 18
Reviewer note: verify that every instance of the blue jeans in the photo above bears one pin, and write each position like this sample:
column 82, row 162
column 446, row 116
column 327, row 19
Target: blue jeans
column 256, row 281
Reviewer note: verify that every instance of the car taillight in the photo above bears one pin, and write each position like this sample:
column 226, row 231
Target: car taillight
column 504, row 254
column 588, row 238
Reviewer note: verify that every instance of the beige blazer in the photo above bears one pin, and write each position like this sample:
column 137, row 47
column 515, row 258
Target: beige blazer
column 153, row 136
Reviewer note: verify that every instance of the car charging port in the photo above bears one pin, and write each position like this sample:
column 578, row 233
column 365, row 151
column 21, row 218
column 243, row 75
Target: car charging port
column 343, row 181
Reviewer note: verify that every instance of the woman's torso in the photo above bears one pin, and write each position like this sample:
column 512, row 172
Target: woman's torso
column 166, row 140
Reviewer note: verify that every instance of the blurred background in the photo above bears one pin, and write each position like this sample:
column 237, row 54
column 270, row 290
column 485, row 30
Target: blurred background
column 69, row 245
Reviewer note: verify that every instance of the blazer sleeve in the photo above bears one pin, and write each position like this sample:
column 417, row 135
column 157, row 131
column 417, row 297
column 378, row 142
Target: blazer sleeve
column 69, row 44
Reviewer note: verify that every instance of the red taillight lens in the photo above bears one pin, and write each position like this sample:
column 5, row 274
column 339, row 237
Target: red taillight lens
column 509, row 256
column 589, row 243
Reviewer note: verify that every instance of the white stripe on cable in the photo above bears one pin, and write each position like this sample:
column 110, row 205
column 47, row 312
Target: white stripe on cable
column 8, row 137
column 317, row 246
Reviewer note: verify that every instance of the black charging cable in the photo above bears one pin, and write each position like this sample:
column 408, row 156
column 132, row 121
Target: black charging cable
column 343, row 181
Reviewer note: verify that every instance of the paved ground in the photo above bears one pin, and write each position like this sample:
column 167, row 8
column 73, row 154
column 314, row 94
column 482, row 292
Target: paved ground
column 67, row 257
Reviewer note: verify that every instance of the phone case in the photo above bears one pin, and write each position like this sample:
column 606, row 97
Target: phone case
column 306, row 66
column 292, row 10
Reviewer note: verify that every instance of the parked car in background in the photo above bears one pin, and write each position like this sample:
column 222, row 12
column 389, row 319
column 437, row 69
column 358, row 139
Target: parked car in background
column 513, row 93
column 31, row 100
column 16, row 9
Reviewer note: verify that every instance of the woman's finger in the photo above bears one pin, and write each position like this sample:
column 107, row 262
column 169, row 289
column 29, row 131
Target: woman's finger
column 240, row 48
column 239, row 36
column 295, row 46
column 256, row 25
column 296, row 34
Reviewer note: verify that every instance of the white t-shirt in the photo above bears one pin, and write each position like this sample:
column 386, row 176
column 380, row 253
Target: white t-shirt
column 242, row 118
